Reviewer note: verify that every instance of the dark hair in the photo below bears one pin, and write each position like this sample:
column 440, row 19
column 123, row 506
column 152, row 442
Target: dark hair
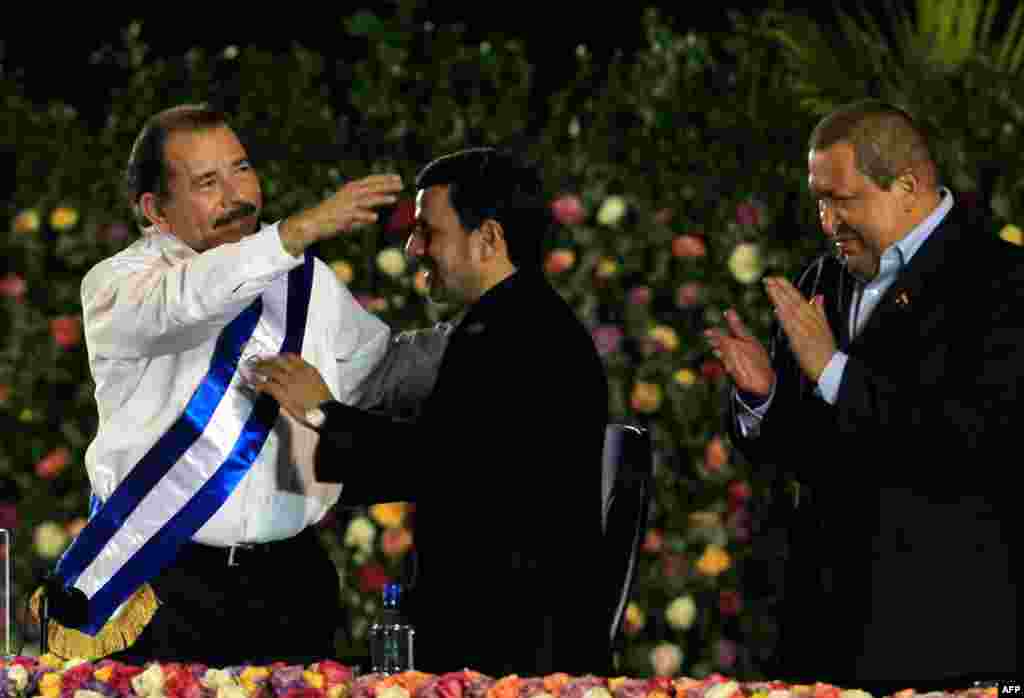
column 147, row 166
column 485, row 183
column 886, row 140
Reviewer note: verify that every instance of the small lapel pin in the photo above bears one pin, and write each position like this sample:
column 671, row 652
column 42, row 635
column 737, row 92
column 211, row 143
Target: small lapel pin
column 902, row 299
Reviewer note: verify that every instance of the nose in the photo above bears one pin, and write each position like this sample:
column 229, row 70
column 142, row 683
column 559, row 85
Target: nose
column 414, row 246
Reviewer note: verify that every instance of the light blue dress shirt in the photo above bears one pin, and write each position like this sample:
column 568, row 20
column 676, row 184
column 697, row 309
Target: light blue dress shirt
column 866, row 298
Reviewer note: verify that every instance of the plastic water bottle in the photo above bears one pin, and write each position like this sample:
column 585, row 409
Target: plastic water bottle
column 391, row 636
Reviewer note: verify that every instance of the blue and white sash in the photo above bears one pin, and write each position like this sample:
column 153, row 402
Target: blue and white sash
column 188, row 474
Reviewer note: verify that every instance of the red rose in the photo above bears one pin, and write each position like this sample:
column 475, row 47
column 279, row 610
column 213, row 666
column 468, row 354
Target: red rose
column 12, row 286
column 739, row 491
column 712, row 369
column 730, row 603
column 449, row 687
column 372, row 578
column 402, row 218
column 568, row 210
column 334, row 673
column 53, row 463
column 66, row 330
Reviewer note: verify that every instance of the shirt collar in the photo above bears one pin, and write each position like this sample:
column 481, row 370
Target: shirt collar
column 899, row 253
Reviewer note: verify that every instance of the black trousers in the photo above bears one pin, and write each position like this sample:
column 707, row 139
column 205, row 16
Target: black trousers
column 277, row 602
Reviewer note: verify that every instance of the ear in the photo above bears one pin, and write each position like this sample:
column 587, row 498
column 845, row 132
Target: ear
column 151, row 209
column 908, row 183
column 492, row 239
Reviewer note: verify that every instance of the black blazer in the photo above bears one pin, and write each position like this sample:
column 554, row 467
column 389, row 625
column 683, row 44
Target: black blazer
column 902, row 566
column 504, row 465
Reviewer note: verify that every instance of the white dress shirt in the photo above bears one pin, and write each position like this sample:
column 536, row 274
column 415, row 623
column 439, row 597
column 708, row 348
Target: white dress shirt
column 152, row 315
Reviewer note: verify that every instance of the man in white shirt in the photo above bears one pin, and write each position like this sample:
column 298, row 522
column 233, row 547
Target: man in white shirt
column 204, row 495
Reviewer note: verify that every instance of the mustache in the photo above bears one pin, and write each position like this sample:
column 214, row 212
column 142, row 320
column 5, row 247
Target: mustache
column 243, row 211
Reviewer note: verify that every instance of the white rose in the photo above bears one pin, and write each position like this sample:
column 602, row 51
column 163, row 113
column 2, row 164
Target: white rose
column 779, row 693
column 360, row 534
column 215, row 678
column 666, row 659
column 18, row 675
column 722, row 690
column 745, row 263
column 50, row 539
column 852, row 693
column 393, row 692
column 597, row 692
column 681, row 613
column 611, row 211
column 150, row 682
column 391, row 261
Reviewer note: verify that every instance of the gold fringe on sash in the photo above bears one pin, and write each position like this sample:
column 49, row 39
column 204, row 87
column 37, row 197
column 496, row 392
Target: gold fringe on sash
column 118, row 634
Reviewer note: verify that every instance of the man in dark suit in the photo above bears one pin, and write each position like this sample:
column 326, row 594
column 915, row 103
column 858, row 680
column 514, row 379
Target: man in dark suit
column 504, row 461
column 890, row 399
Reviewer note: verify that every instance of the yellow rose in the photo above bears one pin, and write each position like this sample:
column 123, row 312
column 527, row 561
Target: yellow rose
column 606, row 268
column 63, row 218
column 150, row 682
column 681, row 613
column 646, row 397
column 103, row 674
column 714, row 561
column 50, row 539
column 1012, row 233
column 343, row 270
column 27, row 221
column 360, row 534
column 49, row 685
column 251, row 677
column 313, row 679
column 18, row 675
column 685, row 377
column 634, row 620
column 612, row 211
column 393, row 691
column 745, row 263
column 665, row 336
column 391, row 261
column 388, row 515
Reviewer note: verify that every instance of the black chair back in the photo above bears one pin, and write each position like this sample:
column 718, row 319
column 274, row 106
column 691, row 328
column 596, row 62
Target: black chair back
column 627, row 474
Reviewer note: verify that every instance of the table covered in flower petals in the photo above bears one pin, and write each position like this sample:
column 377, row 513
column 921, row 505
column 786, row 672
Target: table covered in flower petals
column 51, row 677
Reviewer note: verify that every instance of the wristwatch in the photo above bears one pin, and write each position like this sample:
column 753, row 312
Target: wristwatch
column 315, row 417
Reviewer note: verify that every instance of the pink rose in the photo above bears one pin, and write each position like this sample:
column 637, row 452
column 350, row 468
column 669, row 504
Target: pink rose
column 53, row 463
column 568, row 210
column 12, row 286
column 66, row 330
column 607, row 339
column 8, row 516
column 748, row 214
column 725, row 654
column 396, row 541
column 641, row 295
column 689, row 246
column 689, row 294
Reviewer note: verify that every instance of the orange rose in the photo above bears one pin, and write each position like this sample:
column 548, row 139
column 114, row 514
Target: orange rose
column 66, row 330
column 53, row 463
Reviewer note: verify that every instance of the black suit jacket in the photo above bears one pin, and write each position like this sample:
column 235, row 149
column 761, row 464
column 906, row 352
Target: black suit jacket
column 902, row 565
column 504, row 465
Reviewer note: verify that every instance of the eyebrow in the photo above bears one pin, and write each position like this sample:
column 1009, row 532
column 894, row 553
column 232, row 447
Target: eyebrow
column 211, row 173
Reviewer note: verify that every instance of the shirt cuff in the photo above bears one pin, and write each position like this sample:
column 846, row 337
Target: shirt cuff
column 752, row 410
column 832, row 377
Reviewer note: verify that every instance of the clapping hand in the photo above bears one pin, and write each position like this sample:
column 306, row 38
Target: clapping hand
column 805, row 325
column 744, row 357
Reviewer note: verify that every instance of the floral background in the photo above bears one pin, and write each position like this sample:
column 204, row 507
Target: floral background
column 677, row 177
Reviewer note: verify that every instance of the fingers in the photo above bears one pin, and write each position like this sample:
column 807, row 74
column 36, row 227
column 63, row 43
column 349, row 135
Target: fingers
column 736, row 325
column 383, row 183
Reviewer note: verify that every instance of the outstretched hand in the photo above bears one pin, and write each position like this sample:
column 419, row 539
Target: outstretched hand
column 745, row 358
column 292, row 381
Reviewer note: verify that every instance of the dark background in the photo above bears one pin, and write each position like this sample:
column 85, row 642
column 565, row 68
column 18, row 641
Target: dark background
column 49, row 54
